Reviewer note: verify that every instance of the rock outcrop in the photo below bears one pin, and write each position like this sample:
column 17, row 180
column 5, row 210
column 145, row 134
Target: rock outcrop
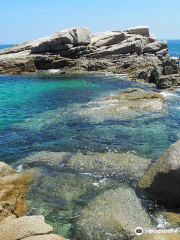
column 133, row 51
column 27, row 228
column 114, row 214
column 14, row 226
column 162, row 180
column 12, row 192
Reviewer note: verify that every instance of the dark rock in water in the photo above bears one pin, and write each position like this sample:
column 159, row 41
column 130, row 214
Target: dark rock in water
column 112, row 215
column 143, row 74
column 167, row 74
column 162, row 180
column 164, row 82
column 156, row 73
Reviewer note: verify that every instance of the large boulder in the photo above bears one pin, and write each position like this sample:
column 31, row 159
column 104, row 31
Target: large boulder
column 112, row 215
column 23, row 46
column 162, row 180
column 141, row 30
column 107, row 38
column 124, row 48
column 23, row 227
column 12, row 192
column 63, row 40
column 17, row 62
column 155, row 47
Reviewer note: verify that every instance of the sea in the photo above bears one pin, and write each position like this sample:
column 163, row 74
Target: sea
column 52, row 112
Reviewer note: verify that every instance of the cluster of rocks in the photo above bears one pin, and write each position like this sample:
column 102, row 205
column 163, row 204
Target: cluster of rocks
column 13, row 225
column 116, row 213
column 134, row 51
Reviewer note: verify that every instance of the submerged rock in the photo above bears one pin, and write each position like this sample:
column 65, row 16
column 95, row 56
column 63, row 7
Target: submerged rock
column 134, row 98
column 114, row 214
column 162, row 180
column 121, row 165
column 159, row 236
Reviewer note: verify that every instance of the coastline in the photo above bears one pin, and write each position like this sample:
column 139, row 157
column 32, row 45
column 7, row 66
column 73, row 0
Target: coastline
column 100, row 193
column 134, row 51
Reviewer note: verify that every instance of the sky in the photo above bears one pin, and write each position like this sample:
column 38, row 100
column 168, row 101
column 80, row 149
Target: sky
column 22, row 20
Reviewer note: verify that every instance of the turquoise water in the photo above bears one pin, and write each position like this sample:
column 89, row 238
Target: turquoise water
column 40, row 113
column 59, row 113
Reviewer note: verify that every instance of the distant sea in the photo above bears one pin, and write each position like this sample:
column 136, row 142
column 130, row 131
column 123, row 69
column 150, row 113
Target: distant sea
column 174, row 47
column 6, row 46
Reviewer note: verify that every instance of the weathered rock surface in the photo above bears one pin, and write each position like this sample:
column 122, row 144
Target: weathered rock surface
column 27, row 228
column 155, row 47
column 122, row 165
column 162, row 180
column 24, row 227
column 73, row 50
column 159, row 236
column 12, row 192
column 13, row 227
column 63, row 40
column 107, row 38
column 141, row 30
column 45, row 237
column 134, row 98
column 113, row 215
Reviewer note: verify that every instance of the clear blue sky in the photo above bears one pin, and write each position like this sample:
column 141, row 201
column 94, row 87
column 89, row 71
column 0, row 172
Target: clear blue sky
column 22, row 20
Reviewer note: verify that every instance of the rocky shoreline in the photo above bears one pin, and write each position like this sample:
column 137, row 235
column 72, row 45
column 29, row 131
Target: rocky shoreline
column 13, row 224
column 134, row 51
column 114, row 211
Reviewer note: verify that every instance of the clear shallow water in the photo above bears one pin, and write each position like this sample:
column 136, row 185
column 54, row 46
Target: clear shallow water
column 40, row 113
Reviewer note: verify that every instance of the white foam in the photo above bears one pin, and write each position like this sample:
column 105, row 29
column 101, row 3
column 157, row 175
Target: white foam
column 53, row 70
column 168, row 94
column 19, row 168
